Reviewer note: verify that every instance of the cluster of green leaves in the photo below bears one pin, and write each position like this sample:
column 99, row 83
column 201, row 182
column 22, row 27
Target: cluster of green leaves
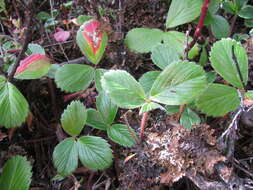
column 94, row 152
column 241, row 9
column 229, row 60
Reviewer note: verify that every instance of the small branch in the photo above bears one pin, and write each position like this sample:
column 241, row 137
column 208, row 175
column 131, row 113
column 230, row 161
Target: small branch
column 143, row 124
column 232, row 25
column 199, row 26
column 76, row 61
column 25, row 44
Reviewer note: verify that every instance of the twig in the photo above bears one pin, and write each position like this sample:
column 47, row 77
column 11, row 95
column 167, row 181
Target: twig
column 76, row 61
column 232, row 25
column 241, row 168
column 53, row 98
column 199, row 26
column 26, row 41
column 129, row 129
column 143, row 124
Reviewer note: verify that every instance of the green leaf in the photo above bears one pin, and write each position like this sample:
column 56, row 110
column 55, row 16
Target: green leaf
column 16, row 174
column 179, row 83
column 203, row 57
column 14, row 107
column 142, row 40
column 163, row 55
column 241, row 3
column 94, row 152
column 94, row 119
column 181, row 13
column 98, row 74
column 83, row 18
column 249, row 94
column 246, row 12
column 214, row 6
column 147, row 80
column 218, row 99
column 35, row 49
column 74, row 77
column 220, row 27
column 106, row 108
column 91, row 40
column 43, row 16
column 52, row 70
column 150, row 106
column 170, row 109
column 177, row 40
column 73, row 118
column 210, row 77
column 223, row 63
column 248, row 23
column 123, row 89
column 33, row 67
column 121, row 134
column 65, row 156
column 230, row 7
column 189, row 118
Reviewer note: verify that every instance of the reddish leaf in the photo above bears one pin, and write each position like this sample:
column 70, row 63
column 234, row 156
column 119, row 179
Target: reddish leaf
column 92, row 34
column 91, row 40
column 32, row 67
column 61, row 35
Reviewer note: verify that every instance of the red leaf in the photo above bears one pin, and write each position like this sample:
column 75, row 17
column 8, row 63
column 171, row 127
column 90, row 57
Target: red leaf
column 61, row 35
column 29, row 60
column 93, row 35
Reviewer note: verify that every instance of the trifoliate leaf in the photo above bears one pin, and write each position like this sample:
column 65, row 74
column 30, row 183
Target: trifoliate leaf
column 94, row 152
column 222, row 61
column 73, row 118
column 74, row 77
column 14, row 107
column 16, row 174
column 65, row 156
column 122, row 134
column 123, row 89
column 179, row 83
column 218, row 99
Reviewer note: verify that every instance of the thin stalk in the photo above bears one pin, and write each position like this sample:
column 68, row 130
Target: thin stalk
column 143, row 124
column 200, row 25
